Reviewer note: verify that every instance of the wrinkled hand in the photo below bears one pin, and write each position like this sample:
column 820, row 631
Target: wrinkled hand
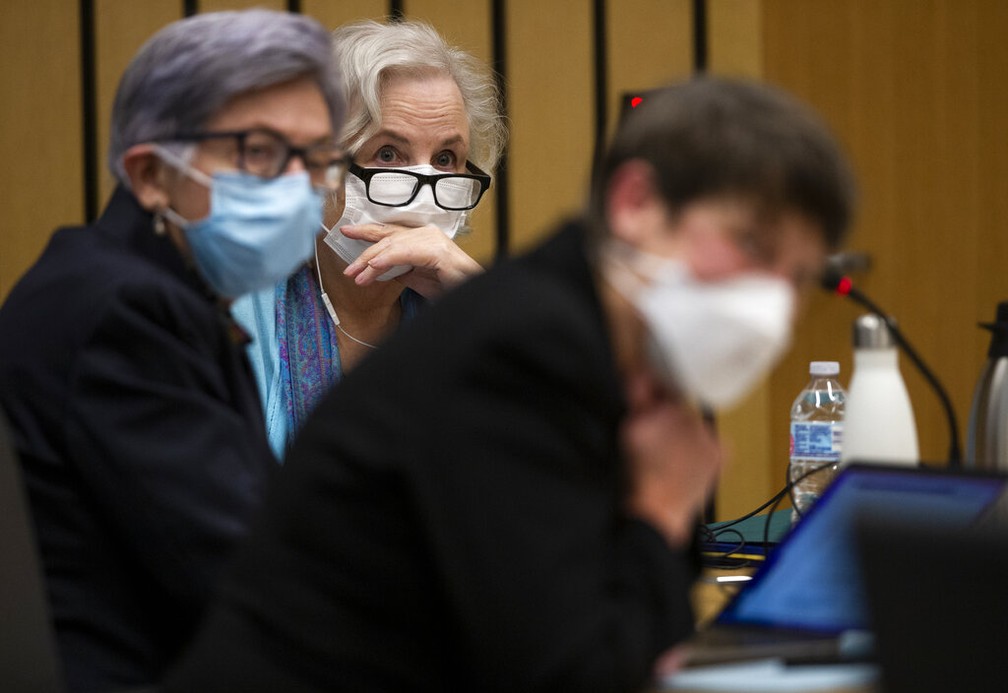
column 673, row 456
column 437, row 262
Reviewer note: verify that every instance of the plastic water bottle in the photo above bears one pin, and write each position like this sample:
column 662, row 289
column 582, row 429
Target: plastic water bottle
column 816, row 435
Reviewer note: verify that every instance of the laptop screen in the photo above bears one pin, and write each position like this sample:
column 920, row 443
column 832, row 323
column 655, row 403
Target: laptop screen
column 812, row 580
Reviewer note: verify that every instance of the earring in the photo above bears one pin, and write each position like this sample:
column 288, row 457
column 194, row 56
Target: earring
column 159, row 224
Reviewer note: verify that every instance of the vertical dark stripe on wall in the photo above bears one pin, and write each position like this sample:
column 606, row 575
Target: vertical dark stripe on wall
column 294, row 6
column 601, row 56
column 396, row 11
column 89, row 110
column 699, row 36
column 498, row 26
column 699, row 67
column 189, row 8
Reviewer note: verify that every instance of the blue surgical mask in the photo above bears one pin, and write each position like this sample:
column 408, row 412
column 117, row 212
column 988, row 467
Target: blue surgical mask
column 258, row 232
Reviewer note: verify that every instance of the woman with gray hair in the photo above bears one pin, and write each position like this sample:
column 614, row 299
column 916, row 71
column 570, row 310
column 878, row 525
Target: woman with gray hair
column 122, row 373
column 423, row 125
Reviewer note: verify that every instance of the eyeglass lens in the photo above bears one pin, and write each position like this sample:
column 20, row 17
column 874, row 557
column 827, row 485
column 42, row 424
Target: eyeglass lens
column 266, row 154
column 397, row 188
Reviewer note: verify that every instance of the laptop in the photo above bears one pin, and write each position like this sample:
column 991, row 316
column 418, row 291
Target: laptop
column 806, row 602
column 938, row 599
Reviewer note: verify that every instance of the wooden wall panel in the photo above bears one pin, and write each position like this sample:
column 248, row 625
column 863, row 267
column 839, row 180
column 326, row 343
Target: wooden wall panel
column 649, row 44
column 467, row 25
column 121, row 27
column 219, row 5
column 551, row 102
column 332, row 13
column 734, row 37
column 756, row 467
column 990, row 197
column 40, row 135
column 913, row 91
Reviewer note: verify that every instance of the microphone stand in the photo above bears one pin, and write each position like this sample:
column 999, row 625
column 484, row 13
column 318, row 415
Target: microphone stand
column 836, row 282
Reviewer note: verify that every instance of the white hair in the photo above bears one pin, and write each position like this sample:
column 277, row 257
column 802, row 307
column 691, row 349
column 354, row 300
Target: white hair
column 369, row 53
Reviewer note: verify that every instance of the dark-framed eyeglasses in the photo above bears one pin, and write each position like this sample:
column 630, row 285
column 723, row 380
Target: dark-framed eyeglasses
column 396, row 187
column 267, row 154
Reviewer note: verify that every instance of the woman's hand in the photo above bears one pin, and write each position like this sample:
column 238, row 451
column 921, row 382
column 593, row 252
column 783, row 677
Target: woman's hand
column 437, row 262
column 674, row 459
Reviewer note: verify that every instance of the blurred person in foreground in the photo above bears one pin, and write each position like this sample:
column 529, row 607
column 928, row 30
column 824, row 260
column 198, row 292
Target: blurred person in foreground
column 134, row 410
column 505, row 496
column 423, row 125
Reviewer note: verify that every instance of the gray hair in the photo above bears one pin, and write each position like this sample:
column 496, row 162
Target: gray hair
column 369, row 53
column 187, row 71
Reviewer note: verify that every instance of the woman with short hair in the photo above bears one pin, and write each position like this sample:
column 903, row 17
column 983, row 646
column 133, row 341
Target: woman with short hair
column 424, row 124
column 122, row 373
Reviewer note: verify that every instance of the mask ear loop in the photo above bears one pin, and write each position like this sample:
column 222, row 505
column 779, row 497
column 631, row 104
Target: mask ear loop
column 329, row 306
column 322, row 291
column 181, row 165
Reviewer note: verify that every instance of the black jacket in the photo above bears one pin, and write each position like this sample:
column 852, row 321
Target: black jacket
column 451, row 516
column 141, row 436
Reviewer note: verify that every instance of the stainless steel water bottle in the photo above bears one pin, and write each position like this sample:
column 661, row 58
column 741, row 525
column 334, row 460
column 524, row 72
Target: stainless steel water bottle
column 987, row 443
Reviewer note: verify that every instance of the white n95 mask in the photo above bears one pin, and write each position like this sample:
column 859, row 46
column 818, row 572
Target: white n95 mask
column 360, row 210
column 712, row 341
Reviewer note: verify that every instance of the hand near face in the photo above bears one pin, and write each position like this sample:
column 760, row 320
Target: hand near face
column 673, row 458
column 437, row 262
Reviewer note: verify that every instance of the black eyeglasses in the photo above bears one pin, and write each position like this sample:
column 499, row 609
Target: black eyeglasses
column 267, row 154
column 395, row 187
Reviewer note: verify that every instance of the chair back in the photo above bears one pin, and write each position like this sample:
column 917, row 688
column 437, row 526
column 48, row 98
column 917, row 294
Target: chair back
column 28, row 659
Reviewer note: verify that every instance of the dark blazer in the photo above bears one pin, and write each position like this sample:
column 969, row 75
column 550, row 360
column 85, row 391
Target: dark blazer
column 451, row 517
column 141, row 436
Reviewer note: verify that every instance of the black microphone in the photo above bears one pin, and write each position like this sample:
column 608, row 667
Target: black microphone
column 849, row 262
column 834, row 280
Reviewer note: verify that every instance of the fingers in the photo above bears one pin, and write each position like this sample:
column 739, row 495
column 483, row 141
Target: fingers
column 368, row 232
column 392, row 245
column 673, row 459
column 437, row 261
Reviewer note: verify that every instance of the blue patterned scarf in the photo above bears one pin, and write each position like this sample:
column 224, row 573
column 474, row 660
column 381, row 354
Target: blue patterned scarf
column 309, row 356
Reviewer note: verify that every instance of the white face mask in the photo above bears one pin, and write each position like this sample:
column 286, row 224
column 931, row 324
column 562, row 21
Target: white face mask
column 360, row 210
column 714, row 340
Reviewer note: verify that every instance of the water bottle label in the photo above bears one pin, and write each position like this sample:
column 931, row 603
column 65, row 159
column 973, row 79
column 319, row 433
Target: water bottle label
column 816, row 439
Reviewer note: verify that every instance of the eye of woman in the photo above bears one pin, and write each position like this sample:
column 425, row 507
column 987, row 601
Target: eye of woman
column 387, row 156
column 445, row 160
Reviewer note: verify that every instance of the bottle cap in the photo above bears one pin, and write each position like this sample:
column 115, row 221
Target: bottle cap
column 824, row 368
column 871, row 332
column 999, row 330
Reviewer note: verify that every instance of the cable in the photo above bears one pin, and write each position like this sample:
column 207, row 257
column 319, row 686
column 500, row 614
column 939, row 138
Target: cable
column 833, row 280
column 712, row 534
